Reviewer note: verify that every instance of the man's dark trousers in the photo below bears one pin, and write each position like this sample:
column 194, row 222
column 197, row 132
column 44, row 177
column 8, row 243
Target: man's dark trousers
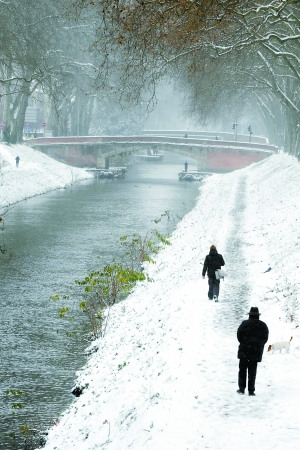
column 251, row 366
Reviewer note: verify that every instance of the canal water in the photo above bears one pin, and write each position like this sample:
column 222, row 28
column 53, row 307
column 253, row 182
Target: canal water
column 51, row 240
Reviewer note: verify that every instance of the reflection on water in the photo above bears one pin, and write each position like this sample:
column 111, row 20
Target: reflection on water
column 55, row 239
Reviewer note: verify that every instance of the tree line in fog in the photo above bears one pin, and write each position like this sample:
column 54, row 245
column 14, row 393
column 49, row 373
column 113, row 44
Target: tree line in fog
column 97, row 65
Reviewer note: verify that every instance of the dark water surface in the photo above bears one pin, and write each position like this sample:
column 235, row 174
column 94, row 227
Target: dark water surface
column 54, row 239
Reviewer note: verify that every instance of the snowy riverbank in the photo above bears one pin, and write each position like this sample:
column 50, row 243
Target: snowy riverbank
column 165, row 375
column 36, row 174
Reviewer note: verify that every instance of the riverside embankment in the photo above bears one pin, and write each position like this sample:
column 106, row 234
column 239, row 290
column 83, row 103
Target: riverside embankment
column 165, row 374
column 49, row 241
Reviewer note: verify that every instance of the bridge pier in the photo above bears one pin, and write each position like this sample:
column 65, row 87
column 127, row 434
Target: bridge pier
column 202, row 159
column 103, row 162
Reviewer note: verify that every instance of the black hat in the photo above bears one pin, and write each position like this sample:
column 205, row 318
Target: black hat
column 254, row 311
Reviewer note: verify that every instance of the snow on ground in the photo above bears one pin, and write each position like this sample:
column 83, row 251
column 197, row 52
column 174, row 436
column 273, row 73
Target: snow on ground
column 36, row 174
column 164, row 377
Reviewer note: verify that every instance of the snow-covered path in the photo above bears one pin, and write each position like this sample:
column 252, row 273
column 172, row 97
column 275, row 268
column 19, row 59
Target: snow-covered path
column 165, row 374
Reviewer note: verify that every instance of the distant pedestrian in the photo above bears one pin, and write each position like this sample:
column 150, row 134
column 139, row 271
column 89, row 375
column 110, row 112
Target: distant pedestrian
column 186, row 165
column 252, row 335
column 17, row 161
column 213, row 261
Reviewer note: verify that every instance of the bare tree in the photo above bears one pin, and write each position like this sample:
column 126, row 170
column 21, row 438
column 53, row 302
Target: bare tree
column 41, row 49
column 221, row 51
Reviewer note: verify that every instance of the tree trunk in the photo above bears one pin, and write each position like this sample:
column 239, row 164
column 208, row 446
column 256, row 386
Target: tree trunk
column 14, row 114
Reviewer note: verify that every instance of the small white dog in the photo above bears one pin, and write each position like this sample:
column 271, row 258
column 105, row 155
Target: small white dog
column 284, row 345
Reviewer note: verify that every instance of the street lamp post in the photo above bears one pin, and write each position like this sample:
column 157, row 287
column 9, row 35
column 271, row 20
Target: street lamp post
column 250, row 132
column 234, row 127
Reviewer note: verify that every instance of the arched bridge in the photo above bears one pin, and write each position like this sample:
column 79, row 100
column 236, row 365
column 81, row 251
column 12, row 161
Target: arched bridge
column 217, row 154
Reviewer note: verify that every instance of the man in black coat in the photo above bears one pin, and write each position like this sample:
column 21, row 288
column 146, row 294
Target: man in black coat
column 213, row 261
column 252, row 335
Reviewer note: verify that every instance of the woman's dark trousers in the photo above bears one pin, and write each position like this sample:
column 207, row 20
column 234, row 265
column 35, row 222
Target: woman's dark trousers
column 251, row 366
column 213, row 288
